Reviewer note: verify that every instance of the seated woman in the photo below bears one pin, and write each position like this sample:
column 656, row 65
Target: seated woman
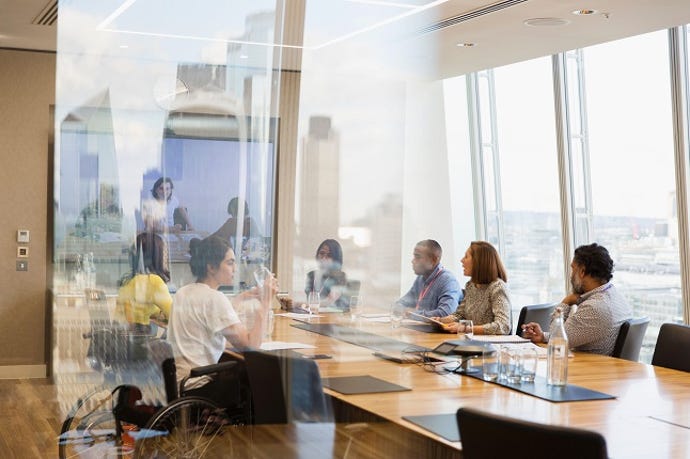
column 159, row 214
column 144, row 295
column 328, row 280
column 203, row 319
column 486, row 302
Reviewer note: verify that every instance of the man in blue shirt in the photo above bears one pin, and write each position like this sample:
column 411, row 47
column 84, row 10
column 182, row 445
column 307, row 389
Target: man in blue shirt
column 436, row 292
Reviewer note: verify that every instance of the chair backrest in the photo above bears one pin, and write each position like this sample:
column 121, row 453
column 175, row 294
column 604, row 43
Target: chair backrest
column 353, row 287
column 629, row 341
column 562, row 442
column 161, row 354
column 539, row 313
column 298, row 397
column 671, row 350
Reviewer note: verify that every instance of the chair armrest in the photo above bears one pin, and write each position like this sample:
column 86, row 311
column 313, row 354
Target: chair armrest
column 210, row 369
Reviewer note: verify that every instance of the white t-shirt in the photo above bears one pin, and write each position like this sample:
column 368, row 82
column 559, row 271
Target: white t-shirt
column 161, row 213
column 199, row 314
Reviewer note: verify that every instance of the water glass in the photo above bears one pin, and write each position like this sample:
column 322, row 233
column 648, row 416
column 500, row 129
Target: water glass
column 465, row 329
column 314, row 301
column 513, row 371
column 503, row 362
column 355, row 308
column 260, row 276
column 528, row 364
column 270, row 325
column 397, row 315
column 490, row 364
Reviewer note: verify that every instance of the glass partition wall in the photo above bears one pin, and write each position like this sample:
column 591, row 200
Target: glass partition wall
column 201, row 123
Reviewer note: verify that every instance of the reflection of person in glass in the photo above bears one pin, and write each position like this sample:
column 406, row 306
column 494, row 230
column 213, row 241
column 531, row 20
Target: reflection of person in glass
column 143, row 299
column 164, row 211
column 203, row 318
column 329, row 280
column 228, row 231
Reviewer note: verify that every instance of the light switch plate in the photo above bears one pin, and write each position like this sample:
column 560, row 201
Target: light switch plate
column 23, row 235
column 22, row 265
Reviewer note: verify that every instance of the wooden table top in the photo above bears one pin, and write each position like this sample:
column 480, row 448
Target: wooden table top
column 650, row 416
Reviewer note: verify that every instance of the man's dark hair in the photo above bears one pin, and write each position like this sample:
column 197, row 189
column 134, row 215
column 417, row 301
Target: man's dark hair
column 433, row 247
column 596, row 261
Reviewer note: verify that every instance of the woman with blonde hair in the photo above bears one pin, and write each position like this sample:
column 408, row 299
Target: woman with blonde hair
column 486, row 302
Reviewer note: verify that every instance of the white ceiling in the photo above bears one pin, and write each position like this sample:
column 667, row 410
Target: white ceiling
column 500, row 37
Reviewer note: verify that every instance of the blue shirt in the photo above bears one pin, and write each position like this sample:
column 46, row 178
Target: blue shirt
column 441, row 293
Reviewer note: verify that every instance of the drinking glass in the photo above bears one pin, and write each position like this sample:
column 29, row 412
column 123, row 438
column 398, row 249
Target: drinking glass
column 528, row 364
column 513, row 371
column 465, row 329
column 490, row 364
column 503, row 362
column 355, row 308
column 270, row 325
column 397, row 314
column 314, row 301
column 260, row 275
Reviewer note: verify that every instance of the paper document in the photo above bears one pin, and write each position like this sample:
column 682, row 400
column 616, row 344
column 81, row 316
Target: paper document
column 500, row 339
column 276, row 345
column 296, row 315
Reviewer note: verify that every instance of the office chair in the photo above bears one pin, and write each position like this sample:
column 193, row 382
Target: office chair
column 487, row 436
column 298, row 397
column 671, row 347
column 539, row 313
column 629, row 341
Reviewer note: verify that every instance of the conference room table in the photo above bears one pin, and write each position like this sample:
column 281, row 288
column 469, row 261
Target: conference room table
column 649, row 416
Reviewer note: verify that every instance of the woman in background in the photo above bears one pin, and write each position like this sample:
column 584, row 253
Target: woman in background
column 328, row 279
column 161, row 212
column 486, row 302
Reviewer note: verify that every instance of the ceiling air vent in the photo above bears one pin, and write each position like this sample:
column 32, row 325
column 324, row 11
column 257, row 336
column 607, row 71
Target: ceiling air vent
column 48, row 15
column 466, row 16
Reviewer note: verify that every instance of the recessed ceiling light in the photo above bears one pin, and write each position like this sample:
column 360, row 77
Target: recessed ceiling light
column 244, row 56
column 465, row 45
column 546, row 22
column 585, row 12
column 124, row 46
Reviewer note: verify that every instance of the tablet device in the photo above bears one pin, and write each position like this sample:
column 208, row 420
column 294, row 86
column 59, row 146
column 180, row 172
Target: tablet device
column 428, row 320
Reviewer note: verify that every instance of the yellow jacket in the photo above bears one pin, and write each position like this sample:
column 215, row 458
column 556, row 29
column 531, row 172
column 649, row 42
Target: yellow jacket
column 143, row 296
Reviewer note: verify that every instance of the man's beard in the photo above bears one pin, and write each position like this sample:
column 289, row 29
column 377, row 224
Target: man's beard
column 579, row 289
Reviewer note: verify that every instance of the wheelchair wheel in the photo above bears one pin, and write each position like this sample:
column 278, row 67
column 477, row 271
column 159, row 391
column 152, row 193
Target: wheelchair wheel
column 190, row 427
column 89, row 429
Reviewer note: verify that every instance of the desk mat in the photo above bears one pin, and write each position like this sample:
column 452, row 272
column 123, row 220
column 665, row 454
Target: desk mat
column 350, row 385
column 539, row 388
column 443, row 425
column 425, row 328
column 360, row 338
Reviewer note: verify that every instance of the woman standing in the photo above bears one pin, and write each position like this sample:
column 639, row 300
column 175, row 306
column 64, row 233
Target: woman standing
column 486, row 302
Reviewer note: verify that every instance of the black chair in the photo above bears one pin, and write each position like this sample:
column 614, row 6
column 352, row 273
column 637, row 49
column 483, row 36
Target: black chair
column 671, row 350
column 518, row 439
column 285, row 387
column 629, row 341
column 539, row 313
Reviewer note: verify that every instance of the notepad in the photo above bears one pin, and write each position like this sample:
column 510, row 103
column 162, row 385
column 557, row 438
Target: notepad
column 366, row 384
column 500, row 339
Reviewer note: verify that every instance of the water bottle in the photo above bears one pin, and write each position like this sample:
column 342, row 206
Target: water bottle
column 557, row 353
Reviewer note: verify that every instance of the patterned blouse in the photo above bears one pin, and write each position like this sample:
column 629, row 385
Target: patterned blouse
column 487, row 305
column 593, row 324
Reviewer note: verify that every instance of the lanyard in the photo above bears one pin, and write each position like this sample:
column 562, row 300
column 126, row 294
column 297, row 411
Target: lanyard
column 428, row 286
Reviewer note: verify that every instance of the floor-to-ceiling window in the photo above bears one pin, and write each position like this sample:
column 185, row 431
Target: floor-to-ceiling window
column 630, row 137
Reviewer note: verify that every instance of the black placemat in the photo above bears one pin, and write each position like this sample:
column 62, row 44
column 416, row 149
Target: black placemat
column 350, row 385
column 443, row 425
column 360, row 338
column 426, row 328
column 539, row 388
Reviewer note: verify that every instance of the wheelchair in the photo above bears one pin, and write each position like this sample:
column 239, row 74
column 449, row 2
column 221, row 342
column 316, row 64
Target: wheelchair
column 109, row 422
